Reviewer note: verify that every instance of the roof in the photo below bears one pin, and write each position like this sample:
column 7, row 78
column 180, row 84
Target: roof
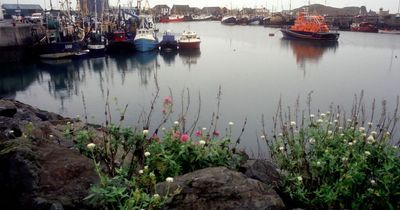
column 161, row 6
column 21, row 6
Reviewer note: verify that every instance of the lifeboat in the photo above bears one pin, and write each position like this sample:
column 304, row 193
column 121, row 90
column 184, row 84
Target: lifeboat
column 364, row 27
column 310, row 27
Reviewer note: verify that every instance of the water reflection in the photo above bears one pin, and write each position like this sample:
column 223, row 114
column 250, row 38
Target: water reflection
column 13, row 78
column 189, row 57
column 169, row 56
column 308, row 52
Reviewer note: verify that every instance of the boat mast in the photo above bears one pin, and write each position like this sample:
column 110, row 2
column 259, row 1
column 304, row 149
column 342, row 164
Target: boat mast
column 95, row 16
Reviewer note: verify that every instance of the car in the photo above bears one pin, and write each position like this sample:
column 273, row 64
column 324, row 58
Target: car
column 36, row 17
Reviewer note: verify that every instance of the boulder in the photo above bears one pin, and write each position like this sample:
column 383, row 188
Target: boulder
column 219, row 188
column 262, row 170
column 7, row 108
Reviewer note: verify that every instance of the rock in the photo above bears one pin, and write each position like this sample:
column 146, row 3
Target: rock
column 39, row 174
column 219, row 188
column 7, row 108
column 262, row 170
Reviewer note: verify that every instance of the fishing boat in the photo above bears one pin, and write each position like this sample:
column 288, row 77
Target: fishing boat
column 201, row 17
column 364, row 27
column 229, row 20
column 310, row 27
column 255, row 20
column 97, row 43
column 146, row 39
column 168, row 42
column 386, row 31
column 189, row 40
column 121, row 41
column 172, row 18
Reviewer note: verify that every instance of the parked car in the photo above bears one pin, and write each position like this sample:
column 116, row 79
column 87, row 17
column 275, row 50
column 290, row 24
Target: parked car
column 36, row 17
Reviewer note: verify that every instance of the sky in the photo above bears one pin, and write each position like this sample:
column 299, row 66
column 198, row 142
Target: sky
column 391, row 5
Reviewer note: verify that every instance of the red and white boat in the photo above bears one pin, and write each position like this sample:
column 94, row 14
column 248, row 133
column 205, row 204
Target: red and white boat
column 189, row 40
column 172, row 18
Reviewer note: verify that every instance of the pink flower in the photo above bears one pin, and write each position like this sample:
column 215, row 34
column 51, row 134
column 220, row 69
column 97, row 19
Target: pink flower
column 198, row 133
column 164, row 111
column 167, row 100
column 176, row 135
column 216, row 133
column 155, row 137
column 184, row 137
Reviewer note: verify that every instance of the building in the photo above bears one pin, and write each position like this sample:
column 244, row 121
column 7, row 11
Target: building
column 214, row 11
column 161, row 10
column 21, row 9
column 181, row 10
column 195, row 10
column 88, row 6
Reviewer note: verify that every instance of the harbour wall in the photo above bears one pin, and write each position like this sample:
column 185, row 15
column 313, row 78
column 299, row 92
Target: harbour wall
column 15, row 35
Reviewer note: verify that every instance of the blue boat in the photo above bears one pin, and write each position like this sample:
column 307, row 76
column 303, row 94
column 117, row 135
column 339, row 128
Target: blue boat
column 146, row 39
column 168, row 42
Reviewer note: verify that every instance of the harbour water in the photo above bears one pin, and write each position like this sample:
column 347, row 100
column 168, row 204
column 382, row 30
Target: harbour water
column 253, row 70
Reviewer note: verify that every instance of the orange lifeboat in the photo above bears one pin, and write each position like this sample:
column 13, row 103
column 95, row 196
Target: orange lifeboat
column 310, row 27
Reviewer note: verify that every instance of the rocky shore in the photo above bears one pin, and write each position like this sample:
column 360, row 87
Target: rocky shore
column 41, row 169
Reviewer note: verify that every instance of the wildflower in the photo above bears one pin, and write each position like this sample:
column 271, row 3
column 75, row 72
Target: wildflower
column 344, row 141
column 78, row 116
column 68, row 123
column 342, row 134
column 176, row 123
column 11, row 131
column 340, row 128
column 281, row 148
column 140, row 171
column 329, row 133
column 370, row 139
column 373, row 182
column 322, row 115
column 156, row 195
column 348, row 120
column 350, row 143
column 169, row 179
column 367, row 153
column 387, row 133
column 374, row 133
column 167, row 100
column 146, row 167
column 364, row 135
column 318, row 163
column 320, row 121
column 293, row 123
column 280, row 134
column 152, row 174
column 327, row 151
column 311, row 140
column 204, row 129
column 91, row 146
column 145, row 132
column 262, row 137
column 354, row 141
column 352, row 128
column 300, row 178
column 328, row 113
column 312, row 116
column 198, row 133
column 335, row 121
column 395, row 147
column 231, row 123
column 51, row 136
column 369, row 124
column 163, row 128
column 184, row 137
column 202, row 142
column 216, row 133
column 147, row 154
column 361, row 129
column 344, row 159
column 176, row 135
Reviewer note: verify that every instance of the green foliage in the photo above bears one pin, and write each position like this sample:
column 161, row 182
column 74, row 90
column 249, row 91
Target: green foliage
column 331, row 165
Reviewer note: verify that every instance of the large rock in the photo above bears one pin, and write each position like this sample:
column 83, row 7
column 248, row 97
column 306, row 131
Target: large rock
column 7, row 108
column 219, row 188
column 39, row 168
column 262, row 170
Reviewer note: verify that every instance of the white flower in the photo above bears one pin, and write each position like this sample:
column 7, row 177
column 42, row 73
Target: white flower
column 11, row 131
column 152, row 174
column 322, row 115
column 145, row 132
column 330, row 133
column 318, row 163
column 335, row 121
column 202, row 142
column 395, row 147
column 320, row 121
column 78, row 116
column 146, row 167
column 280, row 134
column 51, row 136
column 312, row 116
column 354, row 141
column 352, row 128
column 350, row 143
column 373, row 182
column 140, row 171
column 300, row 178
column 370, row 124
column 281, row 148
column 169, row 179
column 374, row 133
column 68, row 123
column 387, row 133
column 293, row 123
column 156, row 195
column 344, row 159
column 344, row 141
column 361, row 129
column 231, row 123
column 371, row 139
column 364, row 135
column 311, row 140
column 367, row 153
column 204, row 129
column 176, row 123
column 147, row 154
column 91, row 146
column 262, row 137
column 342, row 134
column 328, row 113
column 340, row 128
column 163, row 128
column 348, row 120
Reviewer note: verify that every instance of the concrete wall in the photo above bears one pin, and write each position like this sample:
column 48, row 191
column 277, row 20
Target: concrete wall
column 1, row 14
column 18, row 35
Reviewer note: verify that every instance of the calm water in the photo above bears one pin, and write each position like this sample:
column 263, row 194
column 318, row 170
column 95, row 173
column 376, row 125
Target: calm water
column 253, row 69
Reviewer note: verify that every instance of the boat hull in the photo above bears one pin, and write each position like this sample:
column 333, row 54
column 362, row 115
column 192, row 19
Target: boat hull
column 168, row 45
column 171, row 20
column 59, row 50
column 189, row 45
column 397, row 32
column 145, row 45
column 96, row 49
column 229, row 20
column 329, row 36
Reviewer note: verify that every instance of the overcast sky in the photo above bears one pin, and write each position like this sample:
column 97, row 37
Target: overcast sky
column 391, row 5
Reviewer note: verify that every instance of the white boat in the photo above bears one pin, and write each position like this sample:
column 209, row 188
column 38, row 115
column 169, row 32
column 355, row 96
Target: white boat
column 189, row 40
column 201, row 17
